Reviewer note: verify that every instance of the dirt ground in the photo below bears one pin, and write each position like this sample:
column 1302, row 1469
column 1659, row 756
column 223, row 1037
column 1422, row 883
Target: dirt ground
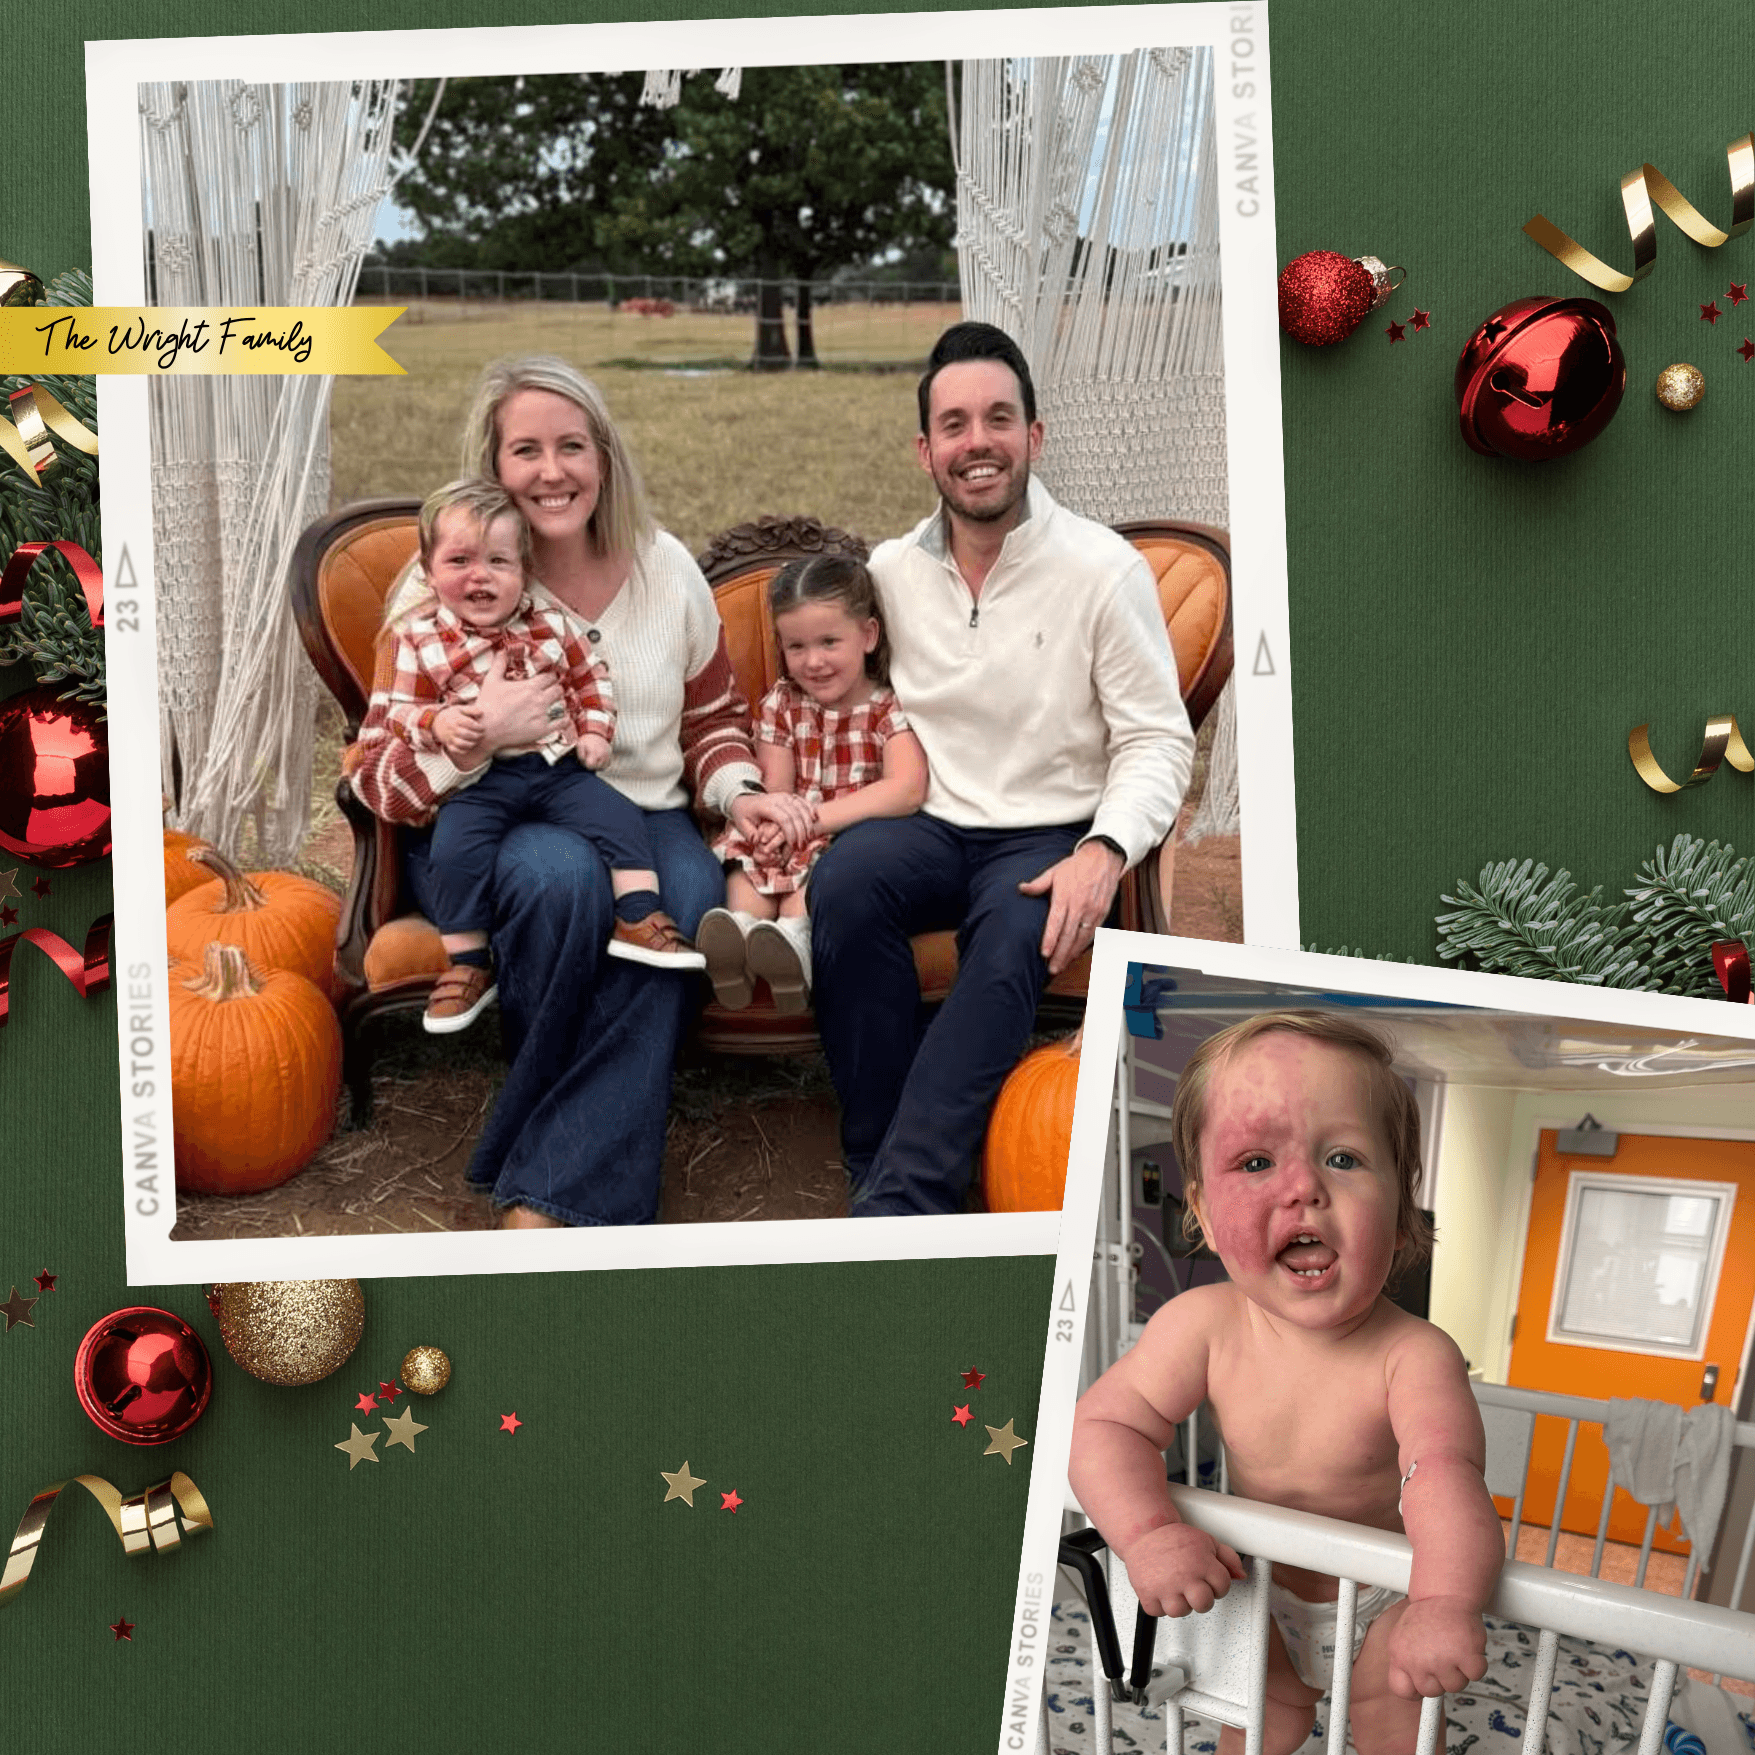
column 750, row 1137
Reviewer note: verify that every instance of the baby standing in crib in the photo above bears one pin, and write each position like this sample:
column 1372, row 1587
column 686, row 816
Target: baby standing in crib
column 1300, row 1151
column 831, row 733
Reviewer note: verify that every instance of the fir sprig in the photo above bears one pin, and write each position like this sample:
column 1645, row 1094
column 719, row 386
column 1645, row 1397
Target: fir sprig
column 1519, row 920
column 1688, row 896
column 54, row 632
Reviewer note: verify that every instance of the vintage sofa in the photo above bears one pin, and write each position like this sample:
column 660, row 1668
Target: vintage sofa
column 388, row 956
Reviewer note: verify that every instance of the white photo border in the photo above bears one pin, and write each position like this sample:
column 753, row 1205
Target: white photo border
column 115, row 71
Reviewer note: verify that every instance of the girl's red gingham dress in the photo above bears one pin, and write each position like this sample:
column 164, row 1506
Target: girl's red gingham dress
column 834, row 751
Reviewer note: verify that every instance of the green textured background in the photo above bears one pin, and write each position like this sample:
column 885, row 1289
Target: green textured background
column 1472, row 641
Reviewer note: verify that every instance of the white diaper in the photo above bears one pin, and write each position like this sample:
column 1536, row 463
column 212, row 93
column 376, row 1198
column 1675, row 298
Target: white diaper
column 1309, row 1628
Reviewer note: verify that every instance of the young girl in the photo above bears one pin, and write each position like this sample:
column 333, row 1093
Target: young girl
column 831, row 733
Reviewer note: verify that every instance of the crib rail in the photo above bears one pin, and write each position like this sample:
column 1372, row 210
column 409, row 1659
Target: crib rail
column 1695, row 1635
column 1511, row 1414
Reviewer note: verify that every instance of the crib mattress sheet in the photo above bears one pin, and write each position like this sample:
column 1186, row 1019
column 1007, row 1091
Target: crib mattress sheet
column 1596, row 1706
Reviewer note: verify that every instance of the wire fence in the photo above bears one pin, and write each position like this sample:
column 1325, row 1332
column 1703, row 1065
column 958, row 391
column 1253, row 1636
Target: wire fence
column 394, row 285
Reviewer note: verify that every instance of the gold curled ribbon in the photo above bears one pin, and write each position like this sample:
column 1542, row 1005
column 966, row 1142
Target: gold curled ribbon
column 147, row 1520
column 1723, row 743
column 18, row 286
column 1638, row 190
column 38, row 413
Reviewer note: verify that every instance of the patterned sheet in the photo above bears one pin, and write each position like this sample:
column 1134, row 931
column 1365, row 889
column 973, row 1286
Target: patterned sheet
column 1596, row 1707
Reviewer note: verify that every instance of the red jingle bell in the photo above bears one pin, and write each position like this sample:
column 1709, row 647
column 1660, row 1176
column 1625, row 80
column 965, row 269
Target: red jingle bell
column 54, row 780
column 1540, row 378
column 143, row 1375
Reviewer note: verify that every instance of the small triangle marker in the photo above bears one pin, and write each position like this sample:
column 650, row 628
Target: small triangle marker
column 124, row 580
column 1066, row 1298
column 1264, row 664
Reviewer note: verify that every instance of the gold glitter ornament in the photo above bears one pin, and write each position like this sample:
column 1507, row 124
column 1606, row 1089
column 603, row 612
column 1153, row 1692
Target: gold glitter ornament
column 290, row 1332
column 1681, row 387
column 425, row 1370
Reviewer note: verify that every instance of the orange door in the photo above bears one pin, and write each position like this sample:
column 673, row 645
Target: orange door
column 1571, row 1367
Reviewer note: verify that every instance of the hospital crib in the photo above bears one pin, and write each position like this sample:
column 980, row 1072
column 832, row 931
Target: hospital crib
column 1215, row 1665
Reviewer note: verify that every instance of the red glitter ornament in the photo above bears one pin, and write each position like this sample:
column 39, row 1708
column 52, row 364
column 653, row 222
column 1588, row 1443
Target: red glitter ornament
column 54, row 780
column 1325, row 296
column 143, row 1375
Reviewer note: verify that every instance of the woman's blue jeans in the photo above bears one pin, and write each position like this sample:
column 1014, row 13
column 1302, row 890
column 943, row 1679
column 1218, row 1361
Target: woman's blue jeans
column 578, row 1130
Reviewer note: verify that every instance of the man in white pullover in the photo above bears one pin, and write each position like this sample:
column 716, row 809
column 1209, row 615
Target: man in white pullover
column 1029, row 653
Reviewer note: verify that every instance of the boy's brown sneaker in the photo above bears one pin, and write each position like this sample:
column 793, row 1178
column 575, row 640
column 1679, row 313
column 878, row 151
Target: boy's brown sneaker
column 655, row 941
column 460, row 996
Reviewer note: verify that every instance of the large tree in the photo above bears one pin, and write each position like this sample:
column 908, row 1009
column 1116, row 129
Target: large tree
column 807, row 170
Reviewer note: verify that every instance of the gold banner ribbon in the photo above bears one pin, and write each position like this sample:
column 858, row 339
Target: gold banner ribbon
column 38, row 414
column 147, row 1520
column 156, row 339
column 1723, row 743
column 1638, row 190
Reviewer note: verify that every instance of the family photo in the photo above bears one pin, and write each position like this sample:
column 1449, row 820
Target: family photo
column 707, row 708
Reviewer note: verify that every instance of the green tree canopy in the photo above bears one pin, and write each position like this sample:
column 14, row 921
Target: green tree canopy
column 807, row 170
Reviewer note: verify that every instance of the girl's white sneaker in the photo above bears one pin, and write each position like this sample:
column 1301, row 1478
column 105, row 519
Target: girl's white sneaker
column 722, row 938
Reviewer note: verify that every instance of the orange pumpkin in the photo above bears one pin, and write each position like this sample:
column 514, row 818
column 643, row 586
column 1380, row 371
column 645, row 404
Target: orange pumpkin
column 278, row 919
column 182, row 874
column 1023, row 1168
column 255, row 1071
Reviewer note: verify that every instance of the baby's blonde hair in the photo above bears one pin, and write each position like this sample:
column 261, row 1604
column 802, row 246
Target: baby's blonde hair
column 1397, row 1113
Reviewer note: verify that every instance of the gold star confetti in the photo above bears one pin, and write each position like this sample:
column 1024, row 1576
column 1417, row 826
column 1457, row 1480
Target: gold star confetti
column 1005, row 1441
column 402, row 1429
column 17, row 1310
column 682, row 1485
column 358, row 1446
column 9, row 884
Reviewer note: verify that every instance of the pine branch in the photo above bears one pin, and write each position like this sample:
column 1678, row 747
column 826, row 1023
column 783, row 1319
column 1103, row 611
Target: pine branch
column 1688, row 896
column 1521, row 921
column 1361, row 953
column 54, row 632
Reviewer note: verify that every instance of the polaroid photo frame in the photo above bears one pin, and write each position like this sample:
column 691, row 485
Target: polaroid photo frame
column 1544, row 1054
column 1236, row 33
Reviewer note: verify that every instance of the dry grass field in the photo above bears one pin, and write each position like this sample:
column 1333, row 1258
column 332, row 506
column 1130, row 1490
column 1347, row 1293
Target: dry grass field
column 716, row 445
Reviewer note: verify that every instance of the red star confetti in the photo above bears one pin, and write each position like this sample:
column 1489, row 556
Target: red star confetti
column 389, row 1391
column 729, row 1501
column 1709, row 313
column 46, row 1281
column 17, row 1310
column 42, row 887
column 1421, row 319
column 1747, row 350
column 510, row 1423
column 962, row 1416
column 123, row 1629
column 973, row 1379
column 1396, row 332
column 1737, row 294
column 8, row 916
column 367, row 1404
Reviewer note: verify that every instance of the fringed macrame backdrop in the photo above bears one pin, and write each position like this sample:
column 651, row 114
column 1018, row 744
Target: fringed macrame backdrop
column 254, row 195
column 1088, row 229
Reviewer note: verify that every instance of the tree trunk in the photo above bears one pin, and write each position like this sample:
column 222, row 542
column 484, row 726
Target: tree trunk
column 772, row 353
column 807, row 344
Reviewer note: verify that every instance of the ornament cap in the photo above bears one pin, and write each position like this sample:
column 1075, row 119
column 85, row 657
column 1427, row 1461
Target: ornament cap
column 1380, row 279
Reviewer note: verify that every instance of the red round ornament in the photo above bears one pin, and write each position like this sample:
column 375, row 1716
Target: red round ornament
column 1325, row 296
column 54, row 780
column 142, row 1375
column 1540, row 378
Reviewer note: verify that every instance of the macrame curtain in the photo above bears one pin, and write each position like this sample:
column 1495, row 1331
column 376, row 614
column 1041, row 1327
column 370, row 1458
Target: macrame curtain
column 254, row 195
column 1088, row 229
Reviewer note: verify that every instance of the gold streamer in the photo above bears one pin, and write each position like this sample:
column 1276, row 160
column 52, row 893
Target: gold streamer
column 38, row 413
column 1723, row 743
column 147, row 1520
column 1638, row 190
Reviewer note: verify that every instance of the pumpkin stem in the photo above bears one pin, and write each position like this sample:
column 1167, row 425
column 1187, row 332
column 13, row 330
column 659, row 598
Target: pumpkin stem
column 225, row 974
column 241, row 896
